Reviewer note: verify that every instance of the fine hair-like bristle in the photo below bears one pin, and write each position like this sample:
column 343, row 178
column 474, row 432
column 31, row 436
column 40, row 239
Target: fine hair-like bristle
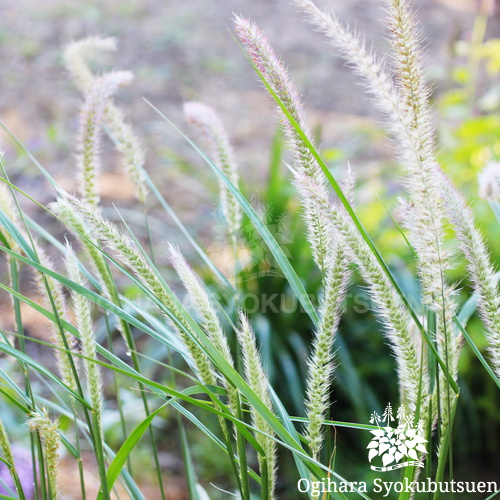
column 83, row 315
column 76, row 56
column 258, row 382
column 48, row 431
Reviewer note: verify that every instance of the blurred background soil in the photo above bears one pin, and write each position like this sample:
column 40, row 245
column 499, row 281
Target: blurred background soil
column 184, row 50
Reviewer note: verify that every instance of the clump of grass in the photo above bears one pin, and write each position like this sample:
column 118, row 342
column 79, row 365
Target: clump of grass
column 200, row 372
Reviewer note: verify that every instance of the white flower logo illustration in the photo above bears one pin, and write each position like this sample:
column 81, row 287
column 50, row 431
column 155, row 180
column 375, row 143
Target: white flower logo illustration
column 394, row 444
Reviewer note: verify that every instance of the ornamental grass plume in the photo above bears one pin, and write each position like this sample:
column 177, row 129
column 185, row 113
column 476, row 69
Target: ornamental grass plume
column 209, row 320
column 258, row 382
column 47, row 429
column 212, row 328
column 5, row 444
column 128, row 253
column 83, row 315
column 6, row 449
column 406, row 107
column 209, row 122
column 52, row 291
column 482, row 273
column 77, row 225
column 423, row 182
column 321, row 364
column 91, row 115
column 76, row 56
column 274, row 73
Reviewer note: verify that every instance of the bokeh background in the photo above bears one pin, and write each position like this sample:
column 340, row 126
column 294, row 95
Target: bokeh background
column 185, row 50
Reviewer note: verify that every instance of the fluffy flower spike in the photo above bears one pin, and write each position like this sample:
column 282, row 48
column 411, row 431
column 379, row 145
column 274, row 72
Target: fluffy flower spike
column 258, row 382
column 76, row 56
column 92, row 112
column 85, row 326
column 273, row 70
column 489, row 182
column 205, row 118
column 120, row 243
column 49, row 434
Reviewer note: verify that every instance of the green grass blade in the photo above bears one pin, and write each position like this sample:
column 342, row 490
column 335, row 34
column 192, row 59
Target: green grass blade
column 23, row 358
column 121, row 457
column 476, row 351
column 189, row 466
column 273, row 245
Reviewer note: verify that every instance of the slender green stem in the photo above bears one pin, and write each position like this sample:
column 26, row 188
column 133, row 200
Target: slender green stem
column 242, row 456
column 79, row 459
column 445, row 443
column 264, row 483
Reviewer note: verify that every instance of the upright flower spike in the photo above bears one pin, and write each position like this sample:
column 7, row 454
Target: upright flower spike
column 205, row 118
column 74, row 222
column 393, row 315
column 407, row 120
column 410, row 79
column 258, row 382
column 5, row 444
column 273, row 71
column 481, row 270
column 49, row 434
column 426, row 222
column 56, row 303
column 76, row 56
column 322, row 364
column 131, row 256
column 7, row 450
column 85, row 327
column 205, row 311
column 96, row 100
